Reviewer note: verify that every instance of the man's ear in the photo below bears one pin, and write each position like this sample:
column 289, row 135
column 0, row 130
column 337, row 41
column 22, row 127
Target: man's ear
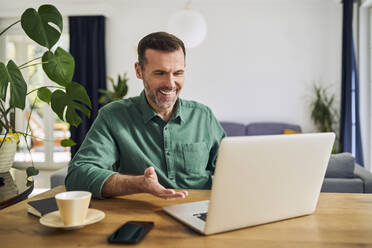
column 137, row 67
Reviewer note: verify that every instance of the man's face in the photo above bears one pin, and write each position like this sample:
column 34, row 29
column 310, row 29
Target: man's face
column 163, row 77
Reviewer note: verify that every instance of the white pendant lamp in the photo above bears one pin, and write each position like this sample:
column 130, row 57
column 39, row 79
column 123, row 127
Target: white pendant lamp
column 188, row 25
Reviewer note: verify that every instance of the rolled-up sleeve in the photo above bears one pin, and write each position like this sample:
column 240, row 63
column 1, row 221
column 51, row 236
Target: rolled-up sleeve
column 93, row 163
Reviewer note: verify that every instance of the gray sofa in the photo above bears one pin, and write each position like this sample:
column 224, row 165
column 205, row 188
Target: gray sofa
column 342, row 175
column 58, row 177
column 257, row 128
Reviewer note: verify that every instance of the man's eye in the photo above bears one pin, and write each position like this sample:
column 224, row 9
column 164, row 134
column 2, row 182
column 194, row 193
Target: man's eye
column 159, row 73
column 180, row 73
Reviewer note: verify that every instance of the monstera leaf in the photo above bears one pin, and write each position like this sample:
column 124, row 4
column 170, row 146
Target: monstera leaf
column 32, row 171
column 60, row 66
column 18, row 87
column 68, row 143
column 4, row 79
column 75, row 98
column 36, row 25
column 44, row 94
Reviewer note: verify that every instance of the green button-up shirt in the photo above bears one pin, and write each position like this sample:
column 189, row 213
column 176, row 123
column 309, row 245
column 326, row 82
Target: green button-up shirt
column 128, row 136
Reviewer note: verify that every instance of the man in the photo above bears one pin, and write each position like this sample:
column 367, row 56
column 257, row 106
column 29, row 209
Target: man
column 153, row 143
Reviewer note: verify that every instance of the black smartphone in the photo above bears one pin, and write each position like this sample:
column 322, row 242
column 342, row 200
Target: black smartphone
column 131, row 232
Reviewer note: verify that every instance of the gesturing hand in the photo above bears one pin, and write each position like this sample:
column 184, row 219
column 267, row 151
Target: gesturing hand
column 152, row 186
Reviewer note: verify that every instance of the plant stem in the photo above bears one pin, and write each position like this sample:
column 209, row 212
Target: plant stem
column 4, row 114
column 13, row 121
column 2, row 123
column 9, row 27
column 28, row 121
column 30, row 61
column 26, row 134
column 29, row 150
column 2, row 142
column 2, row 108
column 32, row 65
column 49, row 86
column 32, row 136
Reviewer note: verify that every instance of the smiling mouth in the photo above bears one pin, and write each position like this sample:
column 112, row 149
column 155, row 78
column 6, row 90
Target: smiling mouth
column 167, row 92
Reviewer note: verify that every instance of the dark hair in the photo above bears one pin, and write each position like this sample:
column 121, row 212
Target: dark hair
column 158, row 41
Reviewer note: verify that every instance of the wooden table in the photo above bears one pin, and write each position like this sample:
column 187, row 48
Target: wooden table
column 341, row 220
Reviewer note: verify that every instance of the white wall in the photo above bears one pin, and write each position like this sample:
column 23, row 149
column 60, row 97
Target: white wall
column 258, row 62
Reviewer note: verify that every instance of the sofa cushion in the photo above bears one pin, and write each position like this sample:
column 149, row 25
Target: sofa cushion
column 58, row 178
column 268, row 128
column 343, row 185
column 341, row 166
column 233, row 128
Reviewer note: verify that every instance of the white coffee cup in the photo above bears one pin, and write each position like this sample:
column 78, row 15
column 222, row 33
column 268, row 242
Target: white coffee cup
column 73, row 206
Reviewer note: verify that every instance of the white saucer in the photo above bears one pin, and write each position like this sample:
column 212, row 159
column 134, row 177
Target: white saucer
column 53, row 219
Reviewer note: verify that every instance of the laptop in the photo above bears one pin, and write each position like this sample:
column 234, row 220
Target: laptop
column 260, row 179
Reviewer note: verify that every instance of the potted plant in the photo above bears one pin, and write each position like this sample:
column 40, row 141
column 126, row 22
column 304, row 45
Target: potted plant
column 120, row 90
column 44, row 26
column 323, row 113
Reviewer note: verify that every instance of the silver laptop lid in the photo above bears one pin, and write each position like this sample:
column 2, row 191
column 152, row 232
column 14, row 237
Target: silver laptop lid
column 260, row 179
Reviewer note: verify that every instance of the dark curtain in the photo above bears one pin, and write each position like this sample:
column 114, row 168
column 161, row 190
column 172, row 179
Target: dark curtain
column 87, row 46
column 349, row 104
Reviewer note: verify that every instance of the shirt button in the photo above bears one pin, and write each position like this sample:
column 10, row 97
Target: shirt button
column 165, row 128
column 168, row 153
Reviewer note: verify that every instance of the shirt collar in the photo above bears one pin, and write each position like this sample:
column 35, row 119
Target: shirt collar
column 148, row 112
column 177, row 115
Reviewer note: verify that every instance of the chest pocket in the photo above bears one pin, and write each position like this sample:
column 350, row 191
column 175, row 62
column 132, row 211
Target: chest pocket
column 195, row 157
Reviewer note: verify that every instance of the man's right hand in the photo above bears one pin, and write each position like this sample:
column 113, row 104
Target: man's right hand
column 151, row 185
column 119, row 185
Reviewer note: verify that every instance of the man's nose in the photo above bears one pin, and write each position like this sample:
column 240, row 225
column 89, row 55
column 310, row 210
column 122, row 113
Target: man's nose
column 170, row 81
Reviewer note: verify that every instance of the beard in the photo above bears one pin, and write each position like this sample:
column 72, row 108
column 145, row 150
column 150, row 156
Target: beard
column 159, row 102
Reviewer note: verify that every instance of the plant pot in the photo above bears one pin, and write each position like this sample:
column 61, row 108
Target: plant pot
column 7, row 152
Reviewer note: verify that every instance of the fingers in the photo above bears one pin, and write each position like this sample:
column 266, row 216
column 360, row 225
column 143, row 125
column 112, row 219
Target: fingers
column 164, row 193
column 170, row 194
column 185, row 192
column 158, row 190
column 167, row 191
column 149, row 171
